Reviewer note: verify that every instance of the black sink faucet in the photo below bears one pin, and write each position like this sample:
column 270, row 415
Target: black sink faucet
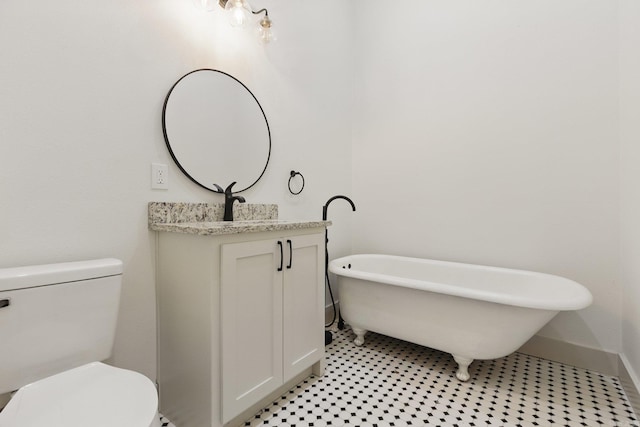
column 229, row 198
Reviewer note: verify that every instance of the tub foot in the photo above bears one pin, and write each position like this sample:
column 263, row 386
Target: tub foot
column 463, row 367
column 359, row 336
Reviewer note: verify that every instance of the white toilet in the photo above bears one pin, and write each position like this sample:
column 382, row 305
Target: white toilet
column 57, row 322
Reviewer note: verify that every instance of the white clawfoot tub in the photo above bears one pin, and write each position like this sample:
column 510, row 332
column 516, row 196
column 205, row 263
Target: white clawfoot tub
column 470, row 311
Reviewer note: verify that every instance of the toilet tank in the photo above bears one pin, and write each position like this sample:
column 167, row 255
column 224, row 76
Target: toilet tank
column 56, row 317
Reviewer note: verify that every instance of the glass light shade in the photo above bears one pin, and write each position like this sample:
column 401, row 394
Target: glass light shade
column 207, row 5
column 238, row 11
column 265, row 31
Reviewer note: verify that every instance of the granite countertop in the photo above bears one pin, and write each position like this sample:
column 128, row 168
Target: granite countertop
column 214, row 228
column 205, row 219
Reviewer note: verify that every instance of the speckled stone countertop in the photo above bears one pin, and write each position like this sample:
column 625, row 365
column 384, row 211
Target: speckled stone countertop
column 206, row 219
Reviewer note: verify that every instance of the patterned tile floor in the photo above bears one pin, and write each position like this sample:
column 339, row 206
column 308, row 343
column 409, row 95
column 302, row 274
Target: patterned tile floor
column 388, row 382
column 393, row 383
column 165, row 422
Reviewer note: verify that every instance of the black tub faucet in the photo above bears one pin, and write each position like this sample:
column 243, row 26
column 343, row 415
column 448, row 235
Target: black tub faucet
column 229, row 198
column 326, row 205
column 328, row 336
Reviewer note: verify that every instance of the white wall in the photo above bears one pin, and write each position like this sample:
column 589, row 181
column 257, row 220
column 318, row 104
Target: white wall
column 81, row 92
column 630, row 182
column 486, row 132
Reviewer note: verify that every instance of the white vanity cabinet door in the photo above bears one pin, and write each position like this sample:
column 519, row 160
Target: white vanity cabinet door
column 303, row 303
column 251, row 324
column 272, row 316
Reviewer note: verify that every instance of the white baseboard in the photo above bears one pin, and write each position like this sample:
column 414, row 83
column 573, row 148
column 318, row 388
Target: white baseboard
column 601, row 361
column 630, row 383
column 572, row 354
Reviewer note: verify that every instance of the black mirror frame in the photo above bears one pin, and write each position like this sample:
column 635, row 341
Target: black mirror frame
column 166, row 137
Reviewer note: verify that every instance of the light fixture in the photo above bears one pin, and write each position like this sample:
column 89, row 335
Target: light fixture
column 265, row 32
column 239, row 12
column 207, row 5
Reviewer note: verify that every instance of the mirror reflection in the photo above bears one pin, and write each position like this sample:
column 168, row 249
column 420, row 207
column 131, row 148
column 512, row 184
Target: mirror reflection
column 216, row 130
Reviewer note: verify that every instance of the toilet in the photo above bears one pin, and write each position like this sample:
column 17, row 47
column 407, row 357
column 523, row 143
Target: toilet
column 57, row 323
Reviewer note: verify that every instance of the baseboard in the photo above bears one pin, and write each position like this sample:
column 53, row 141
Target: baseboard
column 601, row 361
column 593, row 359
column 572, row 354
column 630, row 383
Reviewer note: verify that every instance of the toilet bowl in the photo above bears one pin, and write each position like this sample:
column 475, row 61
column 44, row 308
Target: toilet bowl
column 57, row 322
column 93, row 395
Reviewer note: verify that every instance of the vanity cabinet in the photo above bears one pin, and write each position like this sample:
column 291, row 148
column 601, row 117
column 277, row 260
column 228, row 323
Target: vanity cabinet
column 272, row 316
column 240, row 321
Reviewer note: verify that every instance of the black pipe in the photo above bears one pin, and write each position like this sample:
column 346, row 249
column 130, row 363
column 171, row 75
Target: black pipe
column 328, row 336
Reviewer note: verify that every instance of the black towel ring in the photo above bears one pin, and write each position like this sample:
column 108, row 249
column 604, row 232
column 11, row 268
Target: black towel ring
column 292, row 175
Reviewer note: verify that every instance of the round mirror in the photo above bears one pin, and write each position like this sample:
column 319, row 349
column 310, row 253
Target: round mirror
column 216, row 130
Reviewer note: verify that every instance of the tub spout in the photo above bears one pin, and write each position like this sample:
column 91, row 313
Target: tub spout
column 326, row 205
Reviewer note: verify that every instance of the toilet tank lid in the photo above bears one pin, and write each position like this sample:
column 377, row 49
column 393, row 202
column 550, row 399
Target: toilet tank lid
column 50, row 274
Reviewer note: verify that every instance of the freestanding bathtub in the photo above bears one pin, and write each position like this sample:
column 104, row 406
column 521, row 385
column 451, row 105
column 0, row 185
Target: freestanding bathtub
column 470, row 311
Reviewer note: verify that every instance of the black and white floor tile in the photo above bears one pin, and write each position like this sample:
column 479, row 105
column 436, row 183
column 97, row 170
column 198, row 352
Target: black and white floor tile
column 388, row 382
column 165, row 422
